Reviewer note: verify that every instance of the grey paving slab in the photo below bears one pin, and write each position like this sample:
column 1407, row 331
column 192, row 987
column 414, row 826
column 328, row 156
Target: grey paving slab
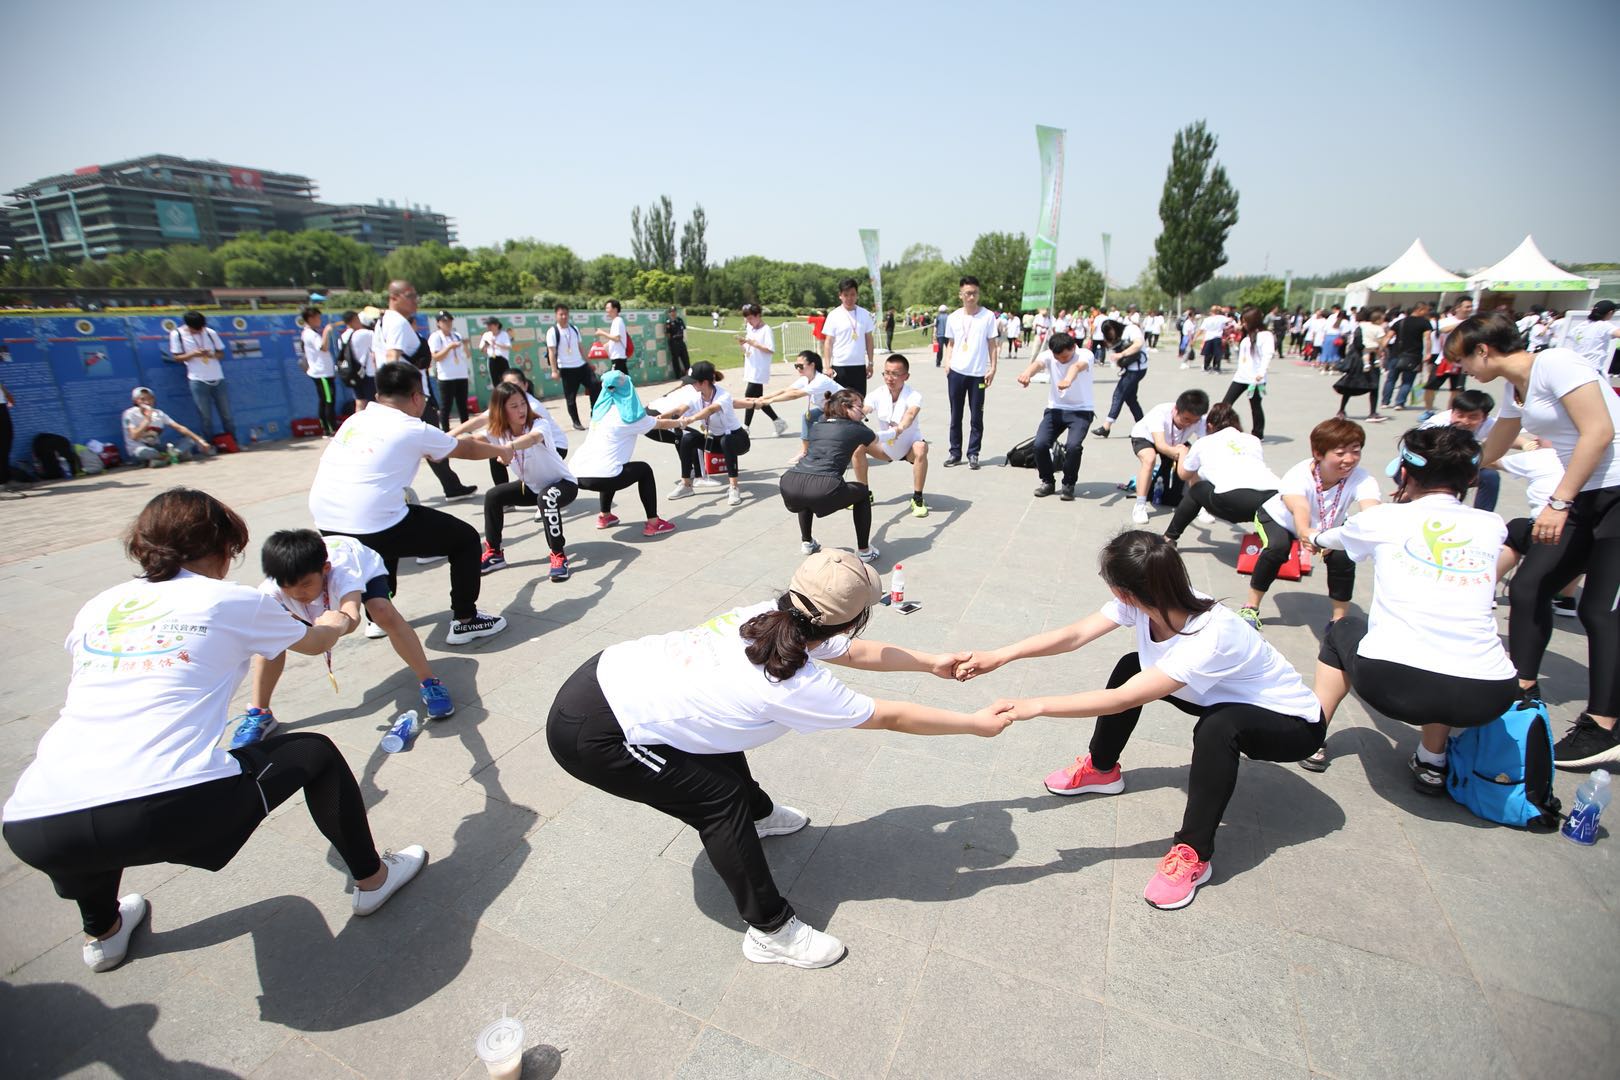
column 722, row 1056
column 1137, row 1047
column 598, row 1028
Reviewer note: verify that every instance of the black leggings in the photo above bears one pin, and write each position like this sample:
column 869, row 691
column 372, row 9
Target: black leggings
column 551, row 499
column 326, row 403
column 498, row 366
column 426, row 531
column 692, row 444
column 1590, row 544
column 1257, row 411
column 575, row 379
column 452, row 392
column 1238, row 506
column 1224, row 730
column 1413, row 695
column 85, row 852
column 715, row 794
column 754, row 389
column 638, row 473
column 1341, row 571
column 813, row 495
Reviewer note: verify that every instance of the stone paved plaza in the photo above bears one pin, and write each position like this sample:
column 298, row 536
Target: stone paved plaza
column 1353, row 928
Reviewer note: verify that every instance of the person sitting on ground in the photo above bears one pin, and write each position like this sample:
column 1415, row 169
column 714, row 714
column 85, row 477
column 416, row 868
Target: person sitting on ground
column 711, row 418
column 1226, row 474
column 603, row 463
column 812, row 384
column 131, row 773
column 1160, row 439
column 815, row 485
column 1069, row 410
column 1471, row 411
column 1315, row 494
column 359, row 491
column 896, row 408
column 309, row 575
column 1429, row 653
column 1193, row 653
column 666, row 721
column 144, row 425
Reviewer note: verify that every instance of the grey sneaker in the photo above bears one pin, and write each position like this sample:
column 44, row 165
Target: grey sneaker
column 1043, row 489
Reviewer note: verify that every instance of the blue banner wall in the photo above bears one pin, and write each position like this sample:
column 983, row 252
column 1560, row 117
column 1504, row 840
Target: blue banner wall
column 26, row 373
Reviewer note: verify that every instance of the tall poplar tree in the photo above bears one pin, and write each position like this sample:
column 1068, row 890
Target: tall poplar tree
column 1198, row 209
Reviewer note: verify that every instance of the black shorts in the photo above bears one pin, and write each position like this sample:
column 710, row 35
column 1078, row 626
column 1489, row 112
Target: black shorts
column 1457, row 379
column 1518, row 534
column 820, row 493
column 377, row 589
column 1139, row 445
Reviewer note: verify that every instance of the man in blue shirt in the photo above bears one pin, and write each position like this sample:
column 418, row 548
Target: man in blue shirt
column 939, row 335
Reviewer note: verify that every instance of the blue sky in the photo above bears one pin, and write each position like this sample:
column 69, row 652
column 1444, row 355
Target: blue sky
column 1347, row 130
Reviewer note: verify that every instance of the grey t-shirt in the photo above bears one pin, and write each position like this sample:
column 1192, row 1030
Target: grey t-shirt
column 832, row 443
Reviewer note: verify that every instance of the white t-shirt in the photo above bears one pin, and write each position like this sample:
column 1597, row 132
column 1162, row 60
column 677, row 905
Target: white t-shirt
column 689, row 399
column 354, row 566
column 846, row 331
column 696, row 691
column 568, row 355
column 609, row 445
column 819, row 388
column 317, row 360
column 1213, row 327
column 1328, row 508
column 758, row 354
column 495, row 343
column 888, row 411
column 616, row 349
column 539, row 466
column 395, row 332
column 1254, row 361
column 1434, row 585
column 1221, row 660
column 456, row 363
column 1078, row 397
column 134, row 421
column 154, row 668
column 207, row 369
column 1540, row 469
column 1593, row 341
column 1553, row 374
column 1231, row 460
column 361, row 348
column 360, row 484
column 1443, row 419
column 1162, row 418
column 970, row 337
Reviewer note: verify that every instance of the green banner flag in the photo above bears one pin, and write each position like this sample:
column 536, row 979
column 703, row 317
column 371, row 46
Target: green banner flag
column 1040, row 278
column 874, row 270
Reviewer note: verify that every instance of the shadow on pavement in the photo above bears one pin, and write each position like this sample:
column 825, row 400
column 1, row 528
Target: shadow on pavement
column 72, row 1030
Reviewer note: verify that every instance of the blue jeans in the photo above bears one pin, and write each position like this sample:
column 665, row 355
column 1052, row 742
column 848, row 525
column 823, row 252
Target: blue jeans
column 1405, row 378
column 209, row 397
column 968, row 390
column 1125, row 394
column 810, row 417
column 1489, row 487
column 1055, row 421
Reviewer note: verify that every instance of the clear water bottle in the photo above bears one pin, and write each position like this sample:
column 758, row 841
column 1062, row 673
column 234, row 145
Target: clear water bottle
column 897, row 584
column 403, row 733
column 1590, row 798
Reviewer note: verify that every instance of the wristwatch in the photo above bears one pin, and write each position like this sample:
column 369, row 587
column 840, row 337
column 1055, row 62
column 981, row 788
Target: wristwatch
column 1559, row 504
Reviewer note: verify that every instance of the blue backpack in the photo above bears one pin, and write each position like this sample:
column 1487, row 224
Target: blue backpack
column 1503, row 770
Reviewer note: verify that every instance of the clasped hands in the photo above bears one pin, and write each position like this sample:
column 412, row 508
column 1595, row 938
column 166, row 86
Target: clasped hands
column 965, row 666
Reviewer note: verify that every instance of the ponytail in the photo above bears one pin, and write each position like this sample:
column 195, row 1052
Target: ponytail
column 779, row 641
column 1148, row 568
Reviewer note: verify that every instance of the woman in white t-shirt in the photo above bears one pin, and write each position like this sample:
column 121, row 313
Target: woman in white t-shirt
column 452, row 367
column 1557, row 395
column 1193, row 653
column 131, row 772
column 603, row 462
column 708, row 409
column 1225, row 472
column 319, row 366
column 1428, row 654
column 758, row 343
column 1256, row 349
column 666, row 721
column 813, row 384
column 496, row 345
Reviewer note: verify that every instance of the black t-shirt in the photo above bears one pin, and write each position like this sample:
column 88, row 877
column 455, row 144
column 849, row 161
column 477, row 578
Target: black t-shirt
column 675, row 328
column 832, row 444
column 1409, row 335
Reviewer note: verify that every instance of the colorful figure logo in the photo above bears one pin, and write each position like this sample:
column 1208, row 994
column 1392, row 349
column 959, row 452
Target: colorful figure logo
column 132, row 631
column 1437, row 551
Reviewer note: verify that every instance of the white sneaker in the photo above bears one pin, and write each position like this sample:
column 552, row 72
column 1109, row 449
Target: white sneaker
column 429, row 560
column 1205, row 518
column 808, row 547
column 735, row 497
column 1139, row 516
column 781, row 426
column 795, row 944
column 679, row 491
column 373, row 631
column 106, row 955
column 781, row 821
column 869, row 553
column 410, row 497
column 708, row 482
column 479, row 626
column 402, row 865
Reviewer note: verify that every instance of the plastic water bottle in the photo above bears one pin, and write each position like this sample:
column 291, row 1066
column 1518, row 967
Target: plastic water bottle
column 897, row 584
column 1590, row 798
column 171, row 453
column 402, row 733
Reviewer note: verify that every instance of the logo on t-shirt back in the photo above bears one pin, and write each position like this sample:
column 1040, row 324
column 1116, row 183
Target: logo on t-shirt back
column 1447, row 555
column 132, row 635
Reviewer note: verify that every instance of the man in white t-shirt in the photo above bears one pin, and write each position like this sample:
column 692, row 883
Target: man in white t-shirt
column 758, row 343
column 895, row 410
column 144, row 424
column 359, row 491
column 396, row 339
column 1161, row 439
column 568, row 364
column 617, row 336
column 1069, row 409
column 496, row 345
column 315, row 348
column 357, row 337
column 452, row 366
column 846, row 342
column 195, row 345
column 1214, row 329
column 971, row 353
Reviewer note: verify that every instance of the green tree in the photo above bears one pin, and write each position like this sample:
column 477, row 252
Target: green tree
column 695, row 245
column 652, row 235
column 610, row 275
column 1265, row 294
column 998, row 260
column 1198, row 209
column 420, row 264
column 928, row 284
column 1081, row 285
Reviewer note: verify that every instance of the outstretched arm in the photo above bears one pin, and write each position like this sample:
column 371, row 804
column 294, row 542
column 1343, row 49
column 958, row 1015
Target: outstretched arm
column 1051, row 643
column 1141, row 688
column 910, row 718
column 882, row 656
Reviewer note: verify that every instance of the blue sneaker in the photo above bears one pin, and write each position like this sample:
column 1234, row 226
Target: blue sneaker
column 437, row 700
column 254, row 726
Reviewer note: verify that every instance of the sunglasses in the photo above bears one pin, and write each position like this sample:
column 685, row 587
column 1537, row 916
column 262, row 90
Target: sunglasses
column 801, row 367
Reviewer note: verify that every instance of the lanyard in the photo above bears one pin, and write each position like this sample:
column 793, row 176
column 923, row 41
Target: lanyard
column 326, row 605
column 1326, row 516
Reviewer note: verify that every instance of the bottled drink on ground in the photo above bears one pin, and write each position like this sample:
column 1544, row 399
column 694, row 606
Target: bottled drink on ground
column 897, row 584
column 402, row 733
column 1590, row 798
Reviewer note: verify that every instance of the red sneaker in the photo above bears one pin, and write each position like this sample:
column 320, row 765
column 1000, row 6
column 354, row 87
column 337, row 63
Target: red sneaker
column 657, row 527
column 606, row 521
column 1180, row 874
column 1082, row 778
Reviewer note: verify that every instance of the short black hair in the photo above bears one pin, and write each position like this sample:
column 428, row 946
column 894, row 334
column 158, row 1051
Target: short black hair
column 1193, row 401
column 350, row 316
column 968, row 279
column 896, row 358
column 614, row 304
column 1444, row 458
column 398, row 379
column 1060, row 343
column 304, row 316
column 847, row 284
column 1473, row 401
column 194, row 320
column 290, row 555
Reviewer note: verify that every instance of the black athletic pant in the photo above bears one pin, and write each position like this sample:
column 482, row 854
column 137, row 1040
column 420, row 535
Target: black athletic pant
column 852, row 377
column 85, row 852
column 1341, row 571
column 551, row 499
column 326, row 403
column 692, row 442
column 425, row 531
column 498, row 366
column 813, row 495
column 715, row 794
column 754, row 389
column 1223, row 731
column 1257, row 411
column 448, row 480
column 1239, row 506
column 1590, row 544
column 1413, row 695
column 679, row 358
column 575, row 379
column 637, row 473
column 452, row 392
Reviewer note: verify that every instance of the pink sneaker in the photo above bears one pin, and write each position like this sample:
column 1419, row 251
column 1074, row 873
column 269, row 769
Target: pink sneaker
column 1082, row 779
column 657, row 527
column 1180, row 874
column 606, row 521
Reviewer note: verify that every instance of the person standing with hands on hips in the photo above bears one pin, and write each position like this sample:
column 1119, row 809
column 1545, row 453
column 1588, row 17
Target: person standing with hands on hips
column 846, row 341
column 970, row 356
column 195, row 345
column 616, row 336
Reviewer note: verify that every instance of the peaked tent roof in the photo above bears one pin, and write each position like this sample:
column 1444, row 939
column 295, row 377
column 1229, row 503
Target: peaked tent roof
column 1526, row 269
column 1415, row 271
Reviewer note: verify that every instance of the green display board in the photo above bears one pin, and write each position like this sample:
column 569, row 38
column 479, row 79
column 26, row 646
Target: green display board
column 528, row 329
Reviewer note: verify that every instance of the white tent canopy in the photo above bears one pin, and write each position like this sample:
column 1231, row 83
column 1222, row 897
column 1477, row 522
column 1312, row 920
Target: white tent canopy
column 1414, row 272
column 1526, row 270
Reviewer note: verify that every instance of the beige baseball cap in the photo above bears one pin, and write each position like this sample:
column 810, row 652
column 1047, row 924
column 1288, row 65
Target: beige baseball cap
column 834, row 587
